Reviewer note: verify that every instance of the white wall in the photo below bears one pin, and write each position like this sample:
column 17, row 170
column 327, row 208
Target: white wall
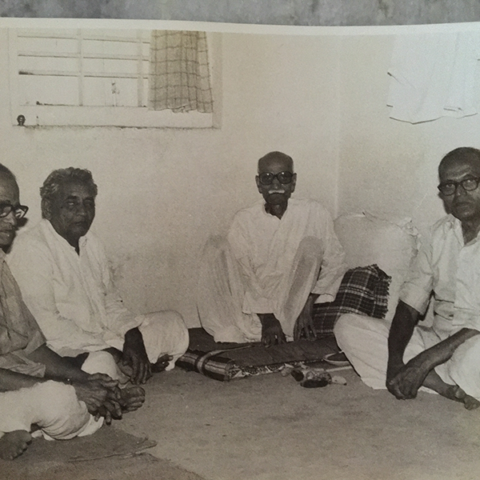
column 163, row 192
column 389, row 167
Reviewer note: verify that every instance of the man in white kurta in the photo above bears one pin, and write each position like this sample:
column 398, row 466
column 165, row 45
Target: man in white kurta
column 281, row 255
column 445, row 357
column 39, row 390
column 64, row 275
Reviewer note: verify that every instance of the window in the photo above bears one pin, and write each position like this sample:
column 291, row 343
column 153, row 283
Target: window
column 92, row 78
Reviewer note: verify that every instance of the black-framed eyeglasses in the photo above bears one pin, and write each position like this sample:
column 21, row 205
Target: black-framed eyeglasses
column 266, row 178
column 18, row 210
column 468, row 184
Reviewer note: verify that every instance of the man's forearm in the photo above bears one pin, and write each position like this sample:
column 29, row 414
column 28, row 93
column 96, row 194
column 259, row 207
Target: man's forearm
column 401, row 331
column 10, row 381
column 56, row 366
column 443, row 351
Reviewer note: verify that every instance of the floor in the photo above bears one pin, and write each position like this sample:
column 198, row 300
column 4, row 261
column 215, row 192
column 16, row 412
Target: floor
column 268, row 427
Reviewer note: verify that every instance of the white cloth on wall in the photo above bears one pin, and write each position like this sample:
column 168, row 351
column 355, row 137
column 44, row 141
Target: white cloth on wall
column 433, row 75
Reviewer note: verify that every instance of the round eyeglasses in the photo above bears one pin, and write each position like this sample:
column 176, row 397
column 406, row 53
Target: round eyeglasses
column 18, row 210
column 266, row 178
column 468, row 184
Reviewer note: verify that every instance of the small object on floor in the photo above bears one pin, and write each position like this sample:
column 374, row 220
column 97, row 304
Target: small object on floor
column 310, row 377
column 338, row 358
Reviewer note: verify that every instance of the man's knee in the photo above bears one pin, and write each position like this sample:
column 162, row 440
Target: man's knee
column 58, row 412
column 464, row 365
column 350, row 327
column 344, row 327
column 216, row 242
column 163, row 333
column 311, row 247
column 101, row 362
column 165, row 319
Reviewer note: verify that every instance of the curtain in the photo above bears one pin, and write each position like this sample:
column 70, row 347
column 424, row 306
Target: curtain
column 179, row 72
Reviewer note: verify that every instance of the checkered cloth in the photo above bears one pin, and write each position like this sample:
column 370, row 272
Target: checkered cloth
column 364, row 290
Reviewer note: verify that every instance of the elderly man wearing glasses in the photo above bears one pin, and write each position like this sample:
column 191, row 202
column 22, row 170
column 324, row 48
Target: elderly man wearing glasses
column 65, row 279
column 39, row 390
column 446, row 357
column 281, row 255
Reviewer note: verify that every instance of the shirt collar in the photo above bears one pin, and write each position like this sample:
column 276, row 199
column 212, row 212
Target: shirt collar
column 456, row 226
column 81, row 242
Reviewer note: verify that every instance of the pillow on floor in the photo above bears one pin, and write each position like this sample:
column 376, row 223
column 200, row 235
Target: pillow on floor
column 389, row 243
column 364, row 290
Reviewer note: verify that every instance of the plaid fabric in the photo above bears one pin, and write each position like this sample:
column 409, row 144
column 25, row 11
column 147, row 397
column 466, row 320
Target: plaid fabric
column 364, row 290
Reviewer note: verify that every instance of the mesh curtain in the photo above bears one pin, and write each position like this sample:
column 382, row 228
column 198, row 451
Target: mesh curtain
column 179, row 72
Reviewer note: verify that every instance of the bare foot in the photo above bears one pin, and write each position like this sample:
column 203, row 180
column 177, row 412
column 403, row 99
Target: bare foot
column 131, row 398
column 13, row 444
column 161, row 364
column 470, row 403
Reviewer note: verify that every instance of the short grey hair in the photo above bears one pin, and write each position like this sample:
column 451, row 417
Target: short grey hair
column 62, row 176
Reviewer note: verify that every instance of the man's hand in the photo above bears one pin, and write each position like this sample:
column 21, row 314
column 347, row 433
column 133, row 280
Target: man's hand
column 304, row 327
column 135, row 356
column 100, row 394
column 405, row 381
column 132, row 398
column 272, row 332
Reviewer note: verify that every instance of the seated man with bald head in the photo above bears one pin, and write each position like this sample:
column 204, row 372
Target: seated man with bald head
column 40, row 391
column 66, row 281
column 280, row 257
column 445, row 358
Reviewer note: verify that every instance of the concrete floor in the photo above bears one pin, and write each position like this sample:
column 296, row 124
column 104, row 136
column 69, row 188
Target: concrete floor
column 269, row 427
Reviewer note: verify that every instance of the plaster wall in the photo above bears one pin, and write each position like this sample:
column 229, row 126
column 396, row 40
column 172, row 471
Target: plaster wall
column 162, row 192
column 388, row 167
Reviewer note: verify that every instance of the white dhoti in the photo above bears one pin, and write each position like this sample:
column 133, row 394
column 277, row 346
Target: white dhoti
column 52, row 406
column 364, row 341
column 222, row 285
column 164, row 333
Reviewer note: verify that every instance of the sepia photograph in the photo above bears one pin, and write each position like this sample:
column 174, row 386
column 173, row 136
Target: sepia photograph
column 235, row 251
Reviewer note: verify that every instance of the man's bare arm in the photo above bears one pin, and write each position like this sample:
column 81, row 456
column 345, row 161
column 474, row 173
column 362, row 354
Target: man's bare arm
column 401, row 331
column 56, row 367
column 10, row 381
column 416, row 371
column 135, row 356
column 304, row 327
column 98, row 391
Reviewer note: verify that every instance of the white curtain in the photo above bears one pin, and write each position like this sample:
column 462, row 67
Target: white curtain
column 179, row 72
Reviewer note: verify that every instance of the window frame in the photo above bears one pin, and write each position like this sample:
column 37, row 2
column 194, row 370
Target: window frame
column 111, row 116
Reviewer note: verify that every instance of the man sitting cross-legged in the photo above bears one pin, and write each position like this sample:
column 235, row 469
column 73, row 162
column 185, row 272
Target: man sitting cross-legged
column 446, row 357
column 280, row 256
column 65, row 279
column 40, row 390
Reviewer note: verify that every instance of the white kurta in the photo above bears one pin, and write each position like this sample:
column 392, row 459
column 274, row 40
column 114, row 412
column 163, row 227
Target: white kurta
column 448, row 269
column 74, row 300
column 268, row 265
